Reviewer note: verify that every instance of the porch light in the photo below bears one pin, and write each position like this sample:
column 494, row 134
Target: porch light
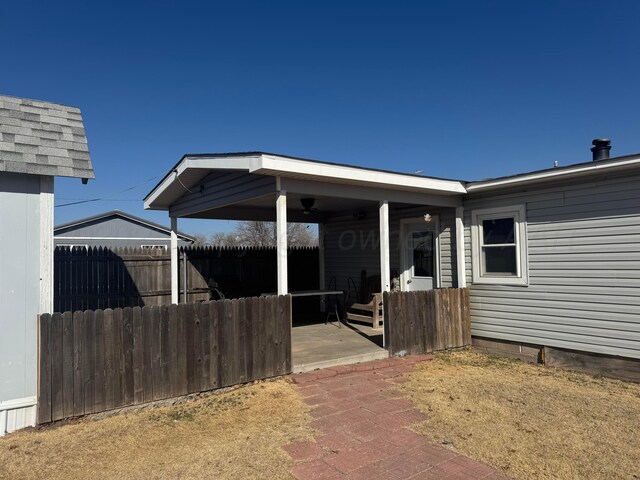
column 428, row 217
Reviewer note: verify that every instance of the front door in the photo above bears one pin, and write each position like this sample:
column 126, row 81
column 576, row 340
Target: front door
column 420, row 259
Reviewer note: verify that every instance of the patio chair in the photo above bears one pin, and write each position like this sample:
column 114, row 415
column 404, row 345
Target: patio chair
column 332, row 304
column 370, row 312
column 214, row 291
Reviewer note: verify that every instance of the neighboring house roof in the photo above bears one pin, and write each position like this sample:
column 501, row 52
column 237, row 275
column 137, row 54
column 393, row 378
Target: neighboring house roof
column 42, row 138
column 118, row 213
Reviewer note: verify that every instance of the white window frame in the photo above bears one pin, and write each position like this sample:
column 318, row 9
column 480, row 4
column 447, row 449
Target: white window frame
column 73, row 245
column 518, row 213
column 153, row 247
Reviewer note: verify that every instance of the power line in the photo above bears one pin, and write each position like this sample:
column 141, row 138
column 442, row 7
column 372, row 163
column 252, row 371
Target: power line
column 110, row 197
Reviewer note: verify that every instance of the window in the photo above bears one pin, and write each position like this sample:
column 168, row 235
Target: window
column 72, row 246
column 153, row 248
column 499, row 246
column 422, row 245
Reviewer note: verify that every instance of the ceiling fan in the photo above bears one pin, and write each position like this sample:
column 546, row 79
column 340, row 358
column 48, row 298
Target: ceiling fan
column 307, row 205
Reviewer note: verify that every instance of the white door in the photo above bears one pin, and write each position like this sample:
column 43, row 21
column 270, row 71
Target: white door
column 420, row 259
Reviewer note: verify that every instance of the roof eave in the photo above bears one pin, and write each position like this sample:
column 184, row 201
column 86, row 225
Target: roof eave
column 562, row 173
column 275, row 165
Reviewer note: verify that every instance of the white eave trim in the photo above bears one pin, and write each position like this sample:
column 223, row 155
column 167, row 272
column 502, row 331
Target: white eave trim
column 290, row 167
column 271, row 165
column 240, row 162
column 568, row 172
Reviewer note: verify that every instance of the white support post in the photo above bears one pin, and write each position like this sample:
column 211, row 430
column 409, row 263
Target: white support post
column 281, row 240
column 460, row 253
column 174, row 260
column 321, row 275
column 385, row 268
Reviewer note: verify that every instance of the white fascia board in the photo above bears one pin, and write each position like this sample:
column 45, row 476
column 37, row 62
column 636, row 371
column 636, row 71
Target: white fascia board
column 192, row 163
column 569, row 172
column 290, row 167
column 272, row 165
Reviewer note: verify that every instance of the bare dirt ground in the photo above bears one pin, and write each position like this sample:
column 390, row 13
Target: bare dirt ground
column 235, row 435
column 529, row 421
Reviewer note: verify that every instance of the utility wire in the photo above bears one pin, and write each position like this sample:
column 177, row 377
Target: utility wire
column 109, row 197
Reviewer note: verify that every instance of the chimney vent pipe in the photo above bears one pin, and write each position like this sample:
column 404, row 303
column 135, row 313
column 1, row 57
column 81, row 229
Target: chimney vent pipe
column 600, row 149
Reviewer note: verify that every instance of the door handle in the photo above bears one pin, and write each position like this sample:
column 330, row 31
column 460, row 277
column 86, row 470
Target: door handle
column 409, row 281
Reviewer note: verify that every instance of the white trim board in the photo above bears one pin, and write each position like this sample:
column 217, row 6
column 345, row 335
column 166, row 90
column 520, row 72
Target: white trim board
column 46, row 244
column 17, row 413
column 285, row 167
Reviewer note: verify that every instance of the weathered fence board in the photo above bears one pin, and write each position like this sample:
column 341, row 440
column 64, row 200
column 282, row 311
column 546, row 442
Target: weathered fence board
column 97, row 360
column 426, row 321
column 101, row 278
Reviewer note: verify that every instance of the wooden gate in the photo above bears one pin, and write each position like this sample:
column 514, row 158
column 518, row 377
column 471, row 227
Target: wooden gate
column 426, row 321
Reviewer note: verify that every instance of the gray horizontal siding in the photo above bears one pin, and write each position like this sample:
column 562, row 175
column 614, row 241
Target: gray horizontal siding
column 584, row 269
column 121, row 232
column 354, row 245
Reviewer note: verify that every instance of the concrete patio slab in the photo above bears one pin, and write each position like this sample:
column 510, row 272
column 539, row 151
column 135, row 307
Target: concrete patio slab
column 318, row 346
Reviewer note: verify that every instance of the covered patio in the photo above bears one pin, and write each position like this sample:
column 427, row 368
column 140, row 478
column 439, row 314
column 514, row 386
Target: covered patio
column 396, row 230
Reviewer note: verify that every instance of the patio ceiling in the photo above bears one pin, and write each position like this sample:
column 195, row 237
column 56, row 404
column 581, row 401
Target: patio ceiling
column 244, row 186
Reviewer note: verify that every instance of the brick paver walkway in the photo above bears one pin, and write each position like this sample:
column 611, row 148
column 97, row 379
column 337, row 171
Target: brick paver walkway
column 362, row 425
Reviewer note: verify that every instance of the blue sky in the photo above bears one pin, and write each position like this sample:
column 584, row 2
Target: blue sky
column 458, row 89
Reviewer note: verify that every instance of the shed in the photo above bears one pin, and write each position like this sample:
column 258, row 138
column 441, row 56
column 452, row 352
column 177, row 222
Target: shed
column 38, row 141
column 116, row 229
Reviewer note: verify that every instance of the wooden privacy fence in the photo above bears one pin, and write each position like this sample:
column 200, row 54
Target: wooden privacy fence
column 97, row 277
column 94, row 361
column 426, row 321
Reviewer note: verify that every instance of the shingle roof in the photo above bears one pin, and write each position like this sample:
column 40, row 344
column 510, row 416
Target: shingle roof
column 42, row 138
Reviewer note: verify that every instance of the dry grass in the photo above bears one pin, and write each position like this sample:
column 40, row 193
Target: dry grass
column 529, row 421
column 234, row 435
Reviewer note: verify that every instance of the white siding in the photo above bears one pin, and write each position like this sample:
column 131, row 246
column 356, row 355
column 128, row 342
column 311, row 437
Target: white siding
column 584, row 269
column 353, row 245
column 19, row 297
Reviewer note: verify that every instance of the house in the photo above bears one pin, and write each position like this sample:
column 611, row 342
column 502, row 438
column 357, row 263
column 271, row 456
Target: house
column 551, row 257
column 38, row 141
column 116, row 229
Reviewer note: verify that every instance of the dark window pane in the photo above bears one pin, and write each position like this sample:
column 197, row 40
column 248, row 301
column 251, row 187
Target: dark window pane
column 499, row 230
column 422, row 246
column 500, row 260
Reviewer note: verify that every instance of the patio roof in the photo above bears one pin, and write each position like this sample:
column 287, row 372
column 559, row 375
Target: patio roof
column 243, row 186
column 268, row 187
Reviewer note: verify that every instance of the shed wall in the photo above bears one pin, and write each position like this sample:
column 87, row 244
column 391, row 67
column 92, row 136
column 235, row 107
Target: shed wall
column 584, row 269
column 19, row 296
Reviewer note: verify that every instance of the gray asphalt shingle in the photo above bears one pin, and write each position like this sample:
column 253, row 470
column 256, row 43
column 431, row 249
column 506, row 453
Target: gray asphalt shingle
column 42, row 138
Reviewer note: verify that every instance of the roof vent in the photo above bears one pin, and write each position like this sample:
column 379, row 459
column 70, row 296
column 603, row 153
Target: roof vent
column 600, row 149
